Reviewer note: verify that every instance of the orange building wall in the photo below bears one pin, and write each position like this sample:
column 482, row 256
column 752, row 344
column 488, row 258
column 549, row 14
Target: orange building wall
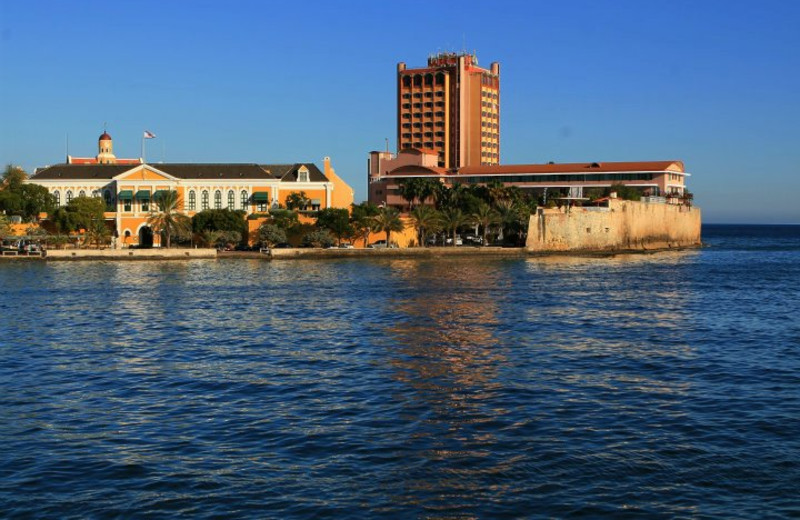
column 311, row 194
column 342, row 195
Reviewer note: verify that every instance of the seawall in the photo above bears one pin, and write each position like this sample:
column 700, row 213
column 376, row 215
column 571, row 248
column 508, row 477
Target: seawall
column 413, row 252
column 129, row 254
column 622, row 226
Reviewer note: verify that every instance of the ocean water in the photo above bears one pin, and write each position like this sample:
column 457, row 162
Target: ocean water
column 640, row 386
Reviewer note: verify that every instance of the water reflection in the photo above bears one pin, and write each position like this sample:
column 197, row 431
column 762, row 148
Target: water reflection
column 448, row 351
column 398, row 388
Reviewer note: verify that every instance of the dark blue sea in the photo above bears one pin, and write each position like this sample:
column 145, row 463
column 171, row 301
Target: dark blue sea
column 634, row 386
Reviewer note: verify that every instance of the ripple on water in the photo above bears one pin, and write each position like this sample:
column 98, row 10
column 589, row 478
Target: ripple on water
column 652, row 386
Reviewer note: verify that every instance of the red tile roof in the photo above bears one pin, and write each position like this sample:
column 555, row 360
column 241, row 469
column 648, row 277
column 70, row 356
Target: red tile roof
column 629, row 166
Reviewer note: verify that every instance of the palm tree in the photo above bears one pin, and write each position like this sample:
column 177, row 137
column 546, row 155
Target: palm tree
column 497, row 192
column 452, row 219
column 211, row 238
column 361, row 217
column 425, row 219
column 409, row 189
column 388, row 220
column 427, row 189
column 97, row 232
column 298, row 201
column 168, row 220
column 484, row 217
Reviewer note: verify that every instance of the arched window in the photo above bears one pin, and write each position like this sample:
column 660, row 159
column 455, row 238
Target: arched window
column 231, row 200
column 245, row 199
column 217, row 199
column 440, row 79
column 417, row 80
column 192, row 201
column 406, row 81
column 82, row 194
column 69, row 196
column 57, row 197
column 428, row 79
column 204, row 200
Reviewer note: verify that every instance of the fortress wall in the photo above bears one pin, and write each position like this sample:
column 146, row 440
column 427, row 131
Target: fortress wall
column 624, row 225
column 129, row 254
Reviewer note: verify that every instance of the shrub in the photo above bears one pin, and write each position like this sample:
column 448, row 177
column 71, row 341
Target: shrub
column 319, row 238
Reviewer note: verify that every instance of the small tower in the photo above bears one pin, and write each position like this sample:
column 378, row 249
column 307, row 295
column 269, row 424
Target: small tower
column 105, row 150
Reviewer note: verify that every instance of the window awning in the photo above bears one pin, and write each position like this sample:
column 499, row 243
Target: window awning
column 261, row 197
column 143, row 195
column 160, row 193
column 125, row 195
column 315, row 202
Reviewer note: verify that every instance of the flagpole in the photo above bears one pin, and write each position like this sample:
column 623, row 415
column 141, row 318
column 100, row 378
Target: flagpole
column 143, row 161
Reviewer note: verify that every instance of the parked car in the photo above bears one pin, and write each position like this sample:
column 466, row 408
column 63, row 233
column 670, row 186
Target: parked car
column 345, row 245
column 474, row 239
column 459, row 241
column 381, row 244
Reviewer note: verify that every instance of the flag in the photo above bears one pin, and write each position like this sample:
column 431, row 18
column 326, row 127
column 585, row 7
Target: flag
column 149, row 135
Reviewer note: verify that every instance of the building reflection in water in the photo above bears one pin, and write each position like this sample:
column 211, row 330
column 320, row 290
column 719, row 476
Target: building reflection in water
column 448, row 350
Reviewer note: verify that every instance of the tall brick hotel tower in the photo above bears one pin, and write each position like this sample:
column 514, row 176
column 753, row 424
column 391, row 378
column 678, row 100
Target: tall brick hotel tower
column 452, row 106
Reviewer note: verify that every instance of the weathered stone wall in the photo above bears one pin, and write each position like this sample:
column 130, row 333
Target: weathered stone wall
column 129, row 254
column 624, row 225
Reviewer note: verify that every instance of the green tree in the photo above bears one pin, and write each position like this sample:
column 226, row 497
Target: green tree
column 388, row 220
column 97, row 232
column 362, row 218
column 81, row 212
column 229, row 239
column 59, row 241
column 425, row 219
column 318, row 238
column 168, row 220
column 418, row 189
column 514, row 219
column 485, row 217
column 298, row 201
column 5, row 227
column 408, row 190
column 269, row 234
column 497, row 192
column 283, row 218
column 624, row 192
column 337, row 221
column 24, row 200
column 36, row 233
column 210, row 238
column 13, row 177
column 452, row 219
column 220, row 220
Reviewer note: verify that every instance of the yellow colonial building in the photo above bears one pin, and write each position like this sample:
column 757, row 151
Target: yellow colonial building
column 129, row 189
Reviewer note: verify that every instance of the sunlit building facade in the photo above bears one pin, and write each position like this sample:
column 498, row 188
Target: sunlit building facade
column 130, row 189
column 450, row 107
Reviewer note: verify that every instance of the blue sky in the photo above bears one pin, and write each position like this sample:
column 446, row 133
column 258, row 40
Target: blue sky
column 714, row 83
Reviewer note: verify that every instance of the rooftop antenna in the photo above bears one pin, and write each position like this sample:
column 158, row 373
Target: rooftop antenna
column 387, row 144
column 66, row 144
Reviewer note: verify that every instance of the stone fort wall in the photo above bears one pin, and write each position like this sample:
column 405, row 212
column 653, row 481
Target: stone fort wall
column 623, row 226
